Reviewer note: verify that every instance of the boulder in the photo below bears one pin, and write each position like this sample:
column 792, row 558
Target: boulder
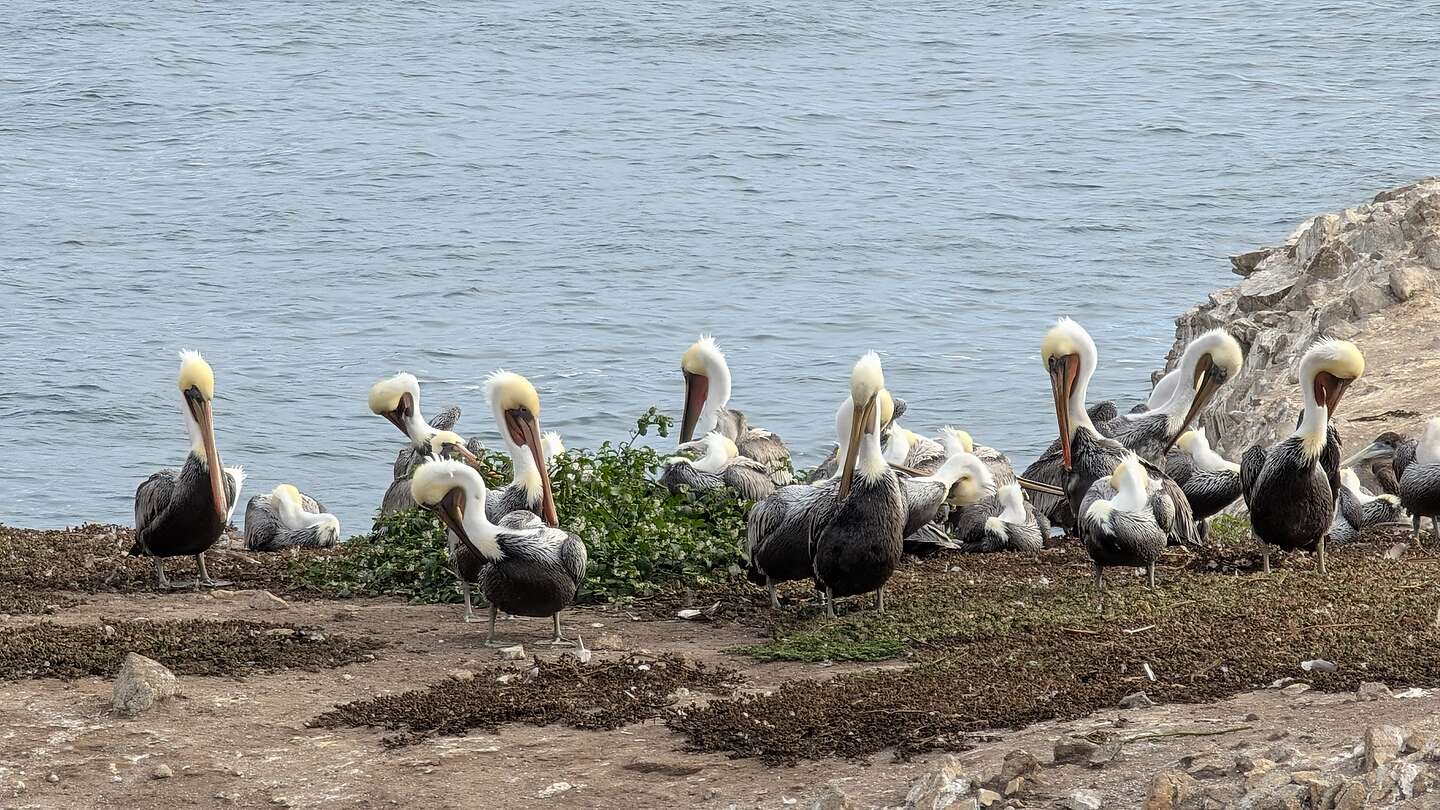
column 1409, row 281
column 1018, row 763
column 943, row 788
column 141, row 684
column 1073, row 750
column 1382, row 744
column 1169, row 790
column 264, row 600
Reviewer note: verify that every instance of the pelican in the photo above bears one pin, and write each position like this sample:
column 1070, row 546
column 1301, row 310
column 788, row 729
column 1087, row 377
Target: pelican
column 857, row 551
column 398, row 400
column 1210, row 482
column 1127, row 519
column 1378, row 458
column 707, row 393
column 1049, row 468
column 1292, row 487
column 908, row 449
column 926, row 497
column 465, row 562
column 184, row 512
column 530, row 569
column 890, row 409
column 1417, row 465
column 517, row 415
column 1358, row 509
column 720, row 466
column 999, row 464
column 1208, row 361
column 287, row 518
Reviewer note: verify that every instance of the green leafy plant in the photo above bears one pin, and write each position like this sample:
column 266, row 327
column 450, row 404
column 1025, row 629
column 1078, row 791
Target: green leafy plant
column 641, row 538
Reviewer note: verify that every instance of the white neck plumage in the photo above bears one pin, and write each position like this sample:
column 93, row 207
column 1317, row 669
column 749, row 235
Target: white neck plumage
column 294, row 516
column 897, row 449
column 1131, row 495
column 871, row 464
column 1207, row 459
column 1076, row 406
column 1315, row 419
column 1013, row 503
column 478, row 528
column 717, row 395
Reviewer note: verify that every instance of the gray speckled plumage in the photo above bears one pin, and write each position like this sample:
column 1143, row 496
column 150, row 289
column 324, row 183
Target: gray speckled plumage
column 1419, row 484
column 924, row 509
column 976, row 535
column 758, row 444
column 747, row 477
column 174, row 514
column 1095, row 457
column 540, row 571
column 1128, row 538
column 781, row 528
column 265, row 531
column 1357, row 511
column 1207, row 491
column 1291, row 496
column 1049, row 468
column 860, row 547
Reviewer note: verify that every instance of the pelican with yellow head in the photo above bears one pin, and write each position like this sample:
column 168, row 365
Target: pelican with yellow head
column 183, row 513
column 287, row 518
column 516, row 405
column 706, row 408
column 1126, row 519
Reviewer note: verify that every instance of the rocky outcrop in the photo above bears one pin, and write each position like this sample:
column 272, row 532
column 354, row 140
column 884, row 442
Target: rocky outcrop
column 1368, row 274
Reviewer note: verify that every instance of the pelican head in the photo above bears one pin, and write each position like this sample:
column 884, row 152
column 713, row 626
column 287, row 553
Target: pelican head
column 1070, row 358
column 1350, row 480
column 974, row 482
column 1383, row 447
column 1190, row 441
column 196, row 381
column 1130, row 475
column 1328, row 368
column 704, row 367
column 1211, row 359
column 453, row 491
column 551, row 445
column 398, row 400
column 955, row 440
column 449, row 444
column 517, row 410
column 886, row 404
column 286, row 492
column 867, row 380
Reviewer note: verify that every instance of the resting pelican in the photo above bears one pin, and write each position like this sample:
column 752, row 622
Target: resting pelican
column 1000, row 467
column 908, row 449
column 517, row 415
column 287, row 518
column 1207, row 363
column 857, row 551
column 1209, row 481
column 183, row 513
column 1086, row 456
column 720, row 467
column 1356, row 509
column 926, row 498
column 398, row 400
column 1126, row 519
column 1291, row 488
column 1378, row 458
column 530, row 569
column 707, row 393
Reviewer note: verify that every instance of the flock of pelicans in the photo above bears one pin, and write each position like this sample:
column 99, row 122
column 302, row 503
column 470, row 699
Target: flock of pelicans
column 1128, row 485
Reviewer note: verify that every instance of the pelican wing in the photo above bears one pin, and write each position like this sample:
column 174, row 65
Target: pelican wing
column 153, row 496
column 1349, row 508
column 681, row 475
column 1330, row 459
column 262, row 523
column 574, row 558
column 749, row 478
column 1404, row 457
column 446, row 419
column 926, row 455
column 1251, row 465
column 923, row 500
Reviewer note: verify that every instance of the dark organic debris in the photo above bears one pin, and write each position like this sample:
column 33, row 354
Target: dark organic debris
column 594, row 696
column 188, row 647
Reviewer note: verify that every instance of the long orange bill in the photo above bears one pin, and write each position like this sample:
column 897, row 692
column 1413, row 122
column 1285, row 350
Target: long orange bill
column 1060, row 379
column 1209, row 384
column 524, row 423
column 859, row 424
column 212, row 456
column 451, row 510
column 1333, row 393
column 697, row 388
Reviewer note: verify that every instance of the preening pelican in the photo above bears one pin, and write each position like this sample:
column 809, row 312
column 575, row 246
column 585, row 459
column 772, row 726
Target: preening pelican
column 530, row 569
column 287, row 518
column 1291, row 488
column 1209, row 481
column 926, row 498
column 999, row 464
column 721, row 466
column 184, row 513
column 398, row 400
column 465, row 562
column 707, row 394
column 517, row 415
column 1086, row 456
column 1004, row 521
column 857, row 551
column 1209, row 360
column 908, row 449
column 1357, row 509
column 1126, row 519
column 1049, row 469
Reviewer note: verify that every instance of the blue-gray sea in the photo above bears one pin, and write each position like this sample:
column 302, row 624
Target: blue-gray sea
column 319, row 194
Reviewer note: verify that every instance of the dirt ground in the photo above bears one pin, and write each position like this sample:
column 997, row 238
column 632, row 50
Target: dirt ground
column 245, row 742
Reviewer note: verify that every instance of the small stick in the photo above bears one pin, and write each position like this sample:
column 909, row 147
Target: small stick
column 1149, row 672
column 1157, row 734
column 1140, row 629
column 1078, row 630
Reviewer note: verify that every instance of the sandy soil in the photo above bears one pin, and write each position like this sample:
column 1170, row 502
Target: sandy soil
column 245, row 742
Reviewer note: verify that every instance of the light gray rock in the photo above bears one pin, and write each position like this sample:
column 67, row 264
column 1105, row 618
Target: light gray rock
column 141, row 683
column 264, row 600
column 1382, row 744
column 1409, row 281
column 1073, row 750
column 946, row 787
column 1081, row 800
column 1372, row 690
column 1372, row 297
column 1136, row 700
column 834, row 799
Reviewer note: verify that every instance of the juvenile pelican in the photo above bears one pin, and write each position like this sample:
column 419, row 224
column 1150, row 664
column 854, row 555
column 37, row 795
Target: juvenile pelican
column 707, row 394
column 1417, row 465
column 184, row 513
column 398, row 400
column 857, row 551
column 1357, row 509
column 1291, row 488
column 1209, row 481
column 287, row 518
column 1379, row 459
column 1126, row 519
column 1086, row 456
column 720, row 466
column 517, row 415
column 1207, row 363
column 530, row 569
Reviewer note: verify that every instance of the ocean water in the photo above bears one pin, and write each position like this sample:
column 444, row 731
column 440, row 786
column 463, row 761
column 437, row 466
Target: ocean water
column 317, row 195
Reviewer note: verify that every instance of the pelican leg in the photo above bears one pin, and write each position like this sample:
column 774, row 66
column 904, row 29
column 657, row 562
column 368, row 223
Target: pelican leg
column 1099, row 579
column 558, row 640
column 774, row 600
column 1265, row 556
column 1435, row 526
column 490, row 638
column 1415, row 528
column 880, row 600
column 161, row 581
column 1150, row 573
column 1320, row 550
column 1202, row 530
column 203, row 577
column 829, row 604
column 469, row 609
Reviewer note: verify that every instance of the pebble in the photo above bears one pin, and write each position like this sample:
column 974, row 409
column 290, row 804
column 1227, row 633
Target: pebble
column 554, row 789
column 264, row 600
column 53, row 778
column 162, row 772
column 516, row 653
column 1136, row 700
column 1296, row 689
column 1372, row 690
column 1081, row 800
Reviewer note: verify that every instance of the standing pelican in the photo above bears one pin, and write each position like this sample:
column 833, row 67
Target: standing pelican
column 1291, row 488
column 1356, row 509
column 720, row 466
column 1417, row 465
column 283, row 519
column 1086, row 456
column 857, row 551
column 707, row 394
column 1209, row 360
column 530, row 569
column 517, row 415
column 465, row 562
column 398, row 400
column 1126, row 520
column 1209, row 481
column 891, row 409
column 184, row 513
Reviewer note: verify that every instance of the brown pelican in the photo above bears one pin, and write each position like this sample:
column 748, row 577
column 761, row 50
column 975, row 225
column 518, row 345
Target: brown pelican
column 398, row 400
column 1127, row 519
column 1208, row 361
column 1378, row 459
column 857, row 551
column 530, row 569
column 906, row 448
column 286, row 518
column 927, row 498
column 1292, row 487
column 184, row 513
column 517, row 415
column 1000, row 467
column 720, row 466
column 1087, row 456
column 890, row 409
column 1417, row 465
column 465, row 562
column 1209, row 481
column 1357, row 509
column 707, row 393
